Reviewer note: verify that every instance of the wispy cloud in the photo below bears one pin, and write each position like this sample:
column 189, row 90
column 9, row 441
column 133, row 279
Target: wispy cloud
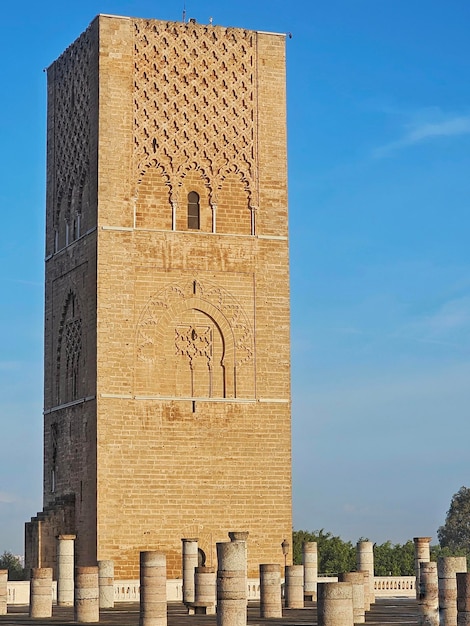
column 421, row 131
column 9, row 366
column 19, row 281
column 349, row 330
column 450, row 320
column 452, row 315
column 7, row 498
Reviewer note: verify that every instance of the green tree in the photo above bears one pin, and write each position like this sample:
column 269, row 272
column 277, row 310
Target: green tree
column 394, row 559
column 438, row 551
column 334, row 554
column 13, row 565
column 455, row 533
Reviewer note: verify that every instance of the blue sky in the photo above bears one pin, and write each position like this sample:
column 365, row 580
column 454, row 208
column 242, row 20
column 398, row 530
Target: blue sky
column 379, row 189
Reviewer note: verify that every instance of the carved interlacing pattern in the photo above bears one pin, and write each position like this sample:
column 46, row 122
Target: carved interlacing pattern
column 71, row 121
column 69, row 347
column 215, row 296
column 193, row 342
column 73, row 340
column 194, row 97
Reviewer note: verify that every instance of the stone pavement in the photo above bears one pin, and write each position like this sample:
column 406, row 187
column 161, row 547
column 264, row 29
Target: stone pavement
column 383, row 612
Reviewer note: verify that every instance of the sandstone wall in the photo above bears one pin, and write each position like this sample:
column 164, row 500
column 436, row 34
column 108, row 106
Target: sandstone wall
column 167, row 386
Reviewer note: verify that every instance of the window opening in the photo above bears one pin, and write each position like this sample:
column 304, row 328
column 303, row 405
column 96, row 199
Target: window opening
column 193, row 210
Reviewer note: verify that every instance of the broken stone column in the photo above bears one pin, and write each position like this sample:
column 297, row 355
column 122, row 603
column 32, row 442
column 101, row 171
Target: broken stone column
column 365, row 561
column 231, row 583
column 310, row 561
column 241, row 535
column 153, row 604
column 463, row 599
column 270, row 590
column 106, row 584
column 335, row 604
column 65, row 570
column 87, row 595
column 366, row 576
column 447, row 569
column 422, row 555
column 190, row 562
column 3, row 591
column 40, row 592
column 294, row 587
column 204, row 592
column 357, row 581
column 428, row 596
column 238, row 535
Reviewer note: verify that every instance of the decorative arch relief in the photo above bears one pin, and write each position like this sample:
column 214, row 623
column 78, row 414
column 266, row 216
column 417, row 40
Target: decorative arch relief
column 194, row 340
column 69, row 358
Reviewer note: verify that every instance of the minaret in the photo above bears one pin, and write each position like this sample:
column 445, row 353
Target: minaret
column 167, row 356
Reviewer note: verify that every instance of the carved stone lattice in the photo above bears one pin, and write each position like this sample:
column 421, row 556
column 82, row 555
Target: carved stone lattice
column 194, row 342
column 71, row 125
column 214, row 296
column 194, row 100
column 73, row 340
column 69, row 350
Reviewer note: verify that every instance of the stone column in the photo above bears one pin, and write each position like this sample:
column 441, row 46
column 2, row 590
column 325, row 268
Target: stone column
column 270, row 590
column 65, row 569
column 241, row 535
column 87, row 595
column 106, row 584
column 335, row 604
column 40, row 592
column 357, row 581
column 231, row 584
column 190, row 562
column 310, row 561
column 365, row 561
column 3, row 591
column 428, row 597
column 204, row 590
column 422, row 555
column 463, row 599
column 294, row 587
column 366, row 576
column 153, row 605
column 447, row 569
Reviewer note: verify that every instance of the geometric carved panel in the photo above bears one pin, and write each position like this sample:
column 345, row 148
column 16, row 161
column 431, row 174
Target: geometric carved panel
column 72, row 141
column 195, row 104
column 194, row 340
column 69, row 362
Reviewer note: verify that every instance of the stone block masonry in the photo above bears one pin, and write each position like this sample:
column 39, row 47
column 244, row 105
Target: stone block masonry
column 40, row 599
column 167, row 355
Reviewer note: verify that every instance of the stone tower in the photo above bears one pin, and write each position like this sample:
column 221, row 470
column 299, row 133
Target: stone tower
column 167, row 360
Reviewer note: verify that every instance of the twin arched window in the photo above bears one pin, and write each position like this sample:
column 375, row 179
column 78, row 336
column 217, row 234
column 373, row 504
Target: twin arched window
column 193, row 211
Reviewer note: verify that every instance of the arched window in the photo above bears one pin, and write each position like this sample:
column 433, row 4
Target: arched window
column 193, row 210
column 69, row 352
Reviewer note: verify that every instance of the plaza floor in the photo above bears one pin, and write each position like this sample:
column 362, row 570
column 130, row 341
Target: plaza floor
column 383, row 612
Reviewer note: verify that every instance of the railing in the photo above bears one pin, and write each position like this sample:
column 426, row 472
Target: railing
column 393, row 586
column 253, row 589
column 129, row 590
column 18, row 592
column 386, row 586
